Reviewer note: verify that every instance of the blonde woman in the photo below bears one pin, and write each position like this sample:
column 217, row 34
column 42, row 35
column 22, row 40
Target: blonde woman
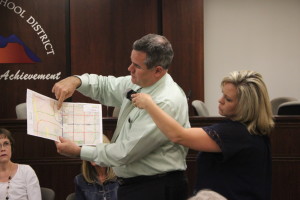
column 96, row 182
column 235, row 158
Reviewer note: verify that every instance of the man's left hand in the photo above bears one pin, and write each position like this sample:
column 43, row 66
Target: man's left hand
column 67, row 148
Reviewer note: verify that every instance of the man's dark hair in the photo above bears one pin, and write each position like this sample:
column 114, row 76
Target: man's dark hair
column 157, row 48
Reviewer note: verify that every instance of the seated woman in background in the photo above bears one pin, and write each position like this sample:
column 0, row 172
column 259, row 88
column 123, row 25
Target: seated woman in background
column 96, row 182
column 235, row 155
column 17, row 181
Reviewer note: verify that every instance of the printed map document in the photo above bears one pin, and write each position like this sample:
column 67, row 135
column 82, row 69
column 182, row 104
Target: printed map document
column 79, row 122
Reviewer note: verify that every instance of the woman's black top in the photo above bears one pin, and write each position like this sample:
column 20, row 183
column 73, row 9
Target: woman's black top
column 242, row 170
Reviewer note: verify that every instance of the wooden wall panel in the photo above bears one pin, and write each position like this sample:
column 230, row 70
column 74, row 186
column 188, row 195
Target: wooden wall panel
column 287, row 129
column 102, row 33
column 101, row 39
column 183, row 25
column 96, row 36
column 285, row 142
column 41, row 26
column 58, row 172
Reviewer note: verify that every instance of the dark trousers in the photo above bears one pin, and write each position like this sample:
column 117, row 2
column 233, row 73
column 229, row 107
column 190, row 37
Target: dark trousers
column 168, row 186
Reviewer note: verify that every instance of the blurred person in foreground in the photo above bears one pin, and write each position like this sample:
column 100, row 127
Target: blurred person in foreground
column 235, row 155
column 207, row 195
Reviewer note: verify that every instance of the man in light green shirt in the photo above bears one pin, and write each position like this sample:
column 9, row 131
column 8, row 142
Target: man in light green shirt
column 148, row 165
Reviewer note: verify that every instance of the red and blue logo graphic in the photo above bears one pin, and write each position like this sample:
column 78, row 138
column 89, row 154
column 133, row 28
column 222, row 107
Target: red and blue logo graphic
column 13, row 50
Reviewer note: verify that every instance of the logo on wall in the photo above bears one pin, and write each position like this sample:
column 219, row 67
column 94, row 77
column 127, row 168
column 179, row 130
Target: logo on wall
column 13, row 50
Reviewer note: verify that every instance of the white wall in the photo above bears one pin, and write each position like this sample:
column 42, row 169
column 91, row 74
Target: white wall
column 260, row 35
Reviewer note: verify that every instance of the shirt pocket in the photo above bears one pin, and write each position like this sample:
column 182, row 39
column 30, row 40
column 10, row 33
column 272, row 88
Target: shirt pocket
column 133, row 118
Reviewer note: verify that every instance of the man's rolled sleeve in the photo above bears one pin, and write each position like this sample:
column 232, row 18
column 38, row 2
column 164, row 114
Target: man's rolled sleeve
column 84, row 81
column 87, row 153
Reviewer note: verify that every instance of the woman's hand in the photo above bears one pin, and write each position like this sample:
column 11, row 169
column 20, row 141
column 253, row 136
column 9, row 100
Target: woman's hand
column 142, row 100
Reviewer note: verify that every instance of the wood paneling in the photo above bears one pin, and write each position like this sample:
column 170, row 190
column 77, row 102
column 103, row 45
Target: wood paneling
column 39, row 20
column 58, row 172
column 101, row 39
column 183, row 26
column 285, row 142
column 96, row 36
column 102, row 34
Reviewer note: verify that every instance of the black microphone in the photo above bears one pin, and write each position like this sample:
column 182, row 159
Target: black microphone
column 129, row 93
column 189, row 94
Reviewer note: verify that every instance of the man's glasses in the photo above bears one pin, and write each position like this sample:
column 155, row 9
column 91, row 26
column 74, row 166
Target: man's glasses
column 4, row 145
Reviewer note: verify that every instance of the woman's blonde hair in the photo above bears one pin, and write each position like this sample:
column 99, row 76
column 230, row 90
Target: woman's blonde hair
column 254, row 107
column 89, row 172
